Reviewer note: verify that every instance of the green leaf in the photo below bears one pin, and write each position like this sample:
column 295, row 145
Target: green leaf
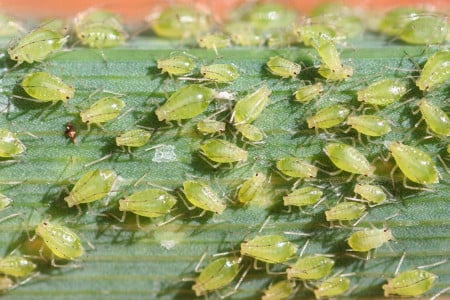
column 131, row 262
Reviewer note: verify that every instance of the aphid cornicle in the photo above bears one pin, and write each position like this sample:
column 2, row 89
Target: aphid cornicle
column 310, row 267
column 370, row 125
column 368, row 239
column 345, row 211
column 152, row 203
column 45, row 87
column 10, row 145
column 62, row 241
column 273, row 249
column 415, row 164
column 435, row 71
column 216, row 275
column 307, row 93
column 36, row 46
column 176, row 65
column 103, row 110
column 410, row 283
column 283, row 67
column 435, row 118
column 222, row 151
column 328, row 117
column 220, row 73
column 333, row 286
column 17, row 266
column 383, row 92
column 92, row 186
column 202, row 196
column 349, row 159
column 133, row 138
column 251, row 188
column 371, row 193
column 281, row 290
column 296, row 168
column 304, row 196
column 186, row 103
column 250, row 107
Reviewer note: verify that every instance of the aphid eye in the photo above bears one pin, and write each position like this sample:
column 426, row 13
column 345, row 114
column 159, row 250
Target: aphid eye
column 67, row 97
column 16, row 57
column 44, row 223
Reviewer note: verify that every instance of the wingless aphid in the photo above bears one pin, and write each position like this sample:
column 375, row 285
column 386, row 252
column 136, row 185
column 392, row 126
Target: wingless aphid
column 221, row 151
column 213, row 41
column 251, row 188
column 186, row 103
column 312, row 267
column 243, row 34
column 273, row 249
column 176, row 65
column 102, row 111
column 10, row 145
column 345, row 211
column 312, row 34
column 307, row 93
column 332, row 67
column 331, row 287
column 220, row 73
column 328, row 117
column 349, row 159
column 383, row 92
column 202, row 196
column 371, row 193
column 410, row 283
column 133, row 138
column 45, row 87
column 395, row 20
column 368, row 239
column 296, row 168
column 209, row 126
column 370, row 125
column 281, row 290
column 17, row 266
column 435, row 71
column 269, row 16
column 250, row 107
column 250, row 132
column 425, row 29
column 283, row 67
column 304, row 196
column 435, row 118
column 415, row 164
column 92, row 186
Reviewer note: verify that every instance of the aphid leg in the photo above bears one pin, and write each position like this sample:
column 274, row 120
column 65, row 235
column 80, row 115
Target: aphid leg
column 170, row 220
column 443, row 163
column 202, row 258
column 268, row 271
column 97, row 160
column 238, row 283
column 443, row 291
column 415, row 187
column 399, row 264
column 359, row 220
column 441, row 262
column 72, row 265
column 304, row 248
column 10, row 217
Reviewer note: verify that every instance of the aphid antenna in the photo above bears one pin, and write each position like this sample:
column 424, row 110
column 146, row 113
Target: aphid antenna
column 443, row 291
column 397, row 269
column 10, row 217
column 438, row 263
column 235, row 288
column 97, row 160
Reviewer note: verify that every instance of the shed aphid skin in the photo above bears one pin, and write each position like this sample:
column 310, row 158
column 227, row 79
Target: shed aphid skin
column 104, row 110
column 252, row 188
column 62, row 241
column 349, row 159
column 70, row 132
column 37, row 45
column 4, row 202
column 177, row 65
column 133, row 138
column 283, row 67
column 435, row 71
column 99, row 29
column 425, row 29
column 331, row 287
column 415, row 164
column 220, row 73
column 213, row 41
column 179, row 21
column 272, row 249
column 435, row 118
column 217, row 275
column 221, row 151
column 209, row 126
column 383, row 92
column 281, row 290
column 250, row 132
column 371, row 193
column 250, row 107
column 304, row 196
column 346, row 211
column 307, row 93
column 367, row 239
column 44, row 87
column 186, row 103
column 151, row 203
column 92, row 186
column 10, row 145
column 16, row 266
column 202, row 196
column 328, row 117
column 370, row 125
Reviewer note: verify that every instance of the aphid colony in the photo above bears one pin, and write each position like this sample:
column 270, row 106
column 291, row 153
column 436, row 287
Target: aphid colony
column 262, row 23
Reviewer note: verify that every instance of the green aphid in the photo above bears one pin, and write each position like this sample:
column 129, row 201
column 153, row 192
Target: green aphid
column 309, row 92
column 99, row 29
column 281, row 290
column 103, row 110
column 269, row 16
column 312, row 267
column 349, row 159
column 4, row 202
column 213, row 41
column 45, row 87
column 10, row 145
column 283, row 38
column 339, row 74
column 222, row 151
column 368, row 239
column 383, row 92
column 347, row 26
column 252, row 188
column 151, row 203
column 283, row 67
column 296, row 168
column 9, row 27
column 62, row 241
column 216, row 275
column 412, row 283
column 395, row 20
column 176, row 65
column 209, row 126
column 133, row 138
column 328, row 117
column 313, row 34
column 250, row 107
column 415, row 164
column 304, row 196
column 243, row 34
column 92, row 186
column 250, row 132
column 273, row 249
column 370, row 125
column 371, row 193
column 202, row 196
column 332, row 67
column 331, row 287
column 435, row 118
column 345, row 211
column 179, row 21
column 186, row 103
column 37, row 45
column 17, row 266
column 425, row 30
column 220, row 73
column 435, row 71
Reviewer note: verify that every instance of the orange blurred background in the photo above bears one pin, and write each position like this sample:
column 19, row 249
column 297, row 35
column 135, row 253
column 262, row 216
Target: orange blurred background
column 135, row 10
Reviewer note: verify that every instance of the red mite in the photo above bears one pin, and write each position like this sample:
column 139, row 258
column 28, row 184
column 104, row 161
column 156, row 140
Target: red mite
column 70, row 132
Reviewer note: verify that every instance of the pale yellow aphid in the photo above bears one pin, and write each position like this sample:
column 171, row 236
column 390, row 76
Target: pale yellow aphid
column 368, row 239
column 283, row 67
column 251, row 188
column 349, row 159
column 250, row 107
